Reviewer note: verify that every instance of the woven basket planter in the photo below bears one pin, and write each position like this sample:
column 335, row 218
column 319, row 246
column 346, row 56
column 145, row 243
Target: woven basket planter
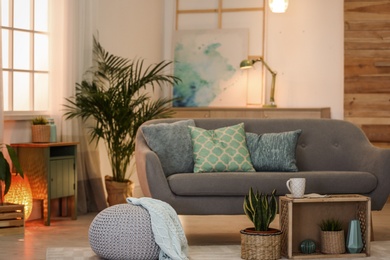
column 40, row 133
column 332, row 242
column 260, row 245
column 117, row 192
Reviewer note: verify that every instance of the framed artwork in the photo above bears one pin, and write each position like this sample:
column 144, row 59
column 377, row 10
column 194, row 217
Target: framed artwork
column 207, row 62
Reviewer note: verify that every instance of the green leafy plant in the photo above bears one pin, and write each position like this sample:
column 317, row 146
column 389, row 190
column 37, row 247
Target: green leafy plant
column 112, row 94
column 331, row 224
column 5, row 168
column 40, row 120
column 260, row 208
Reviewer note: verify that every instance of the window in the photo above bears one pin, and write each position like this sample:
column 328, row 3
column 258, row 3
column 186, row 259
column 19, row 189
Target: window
column 25, row 54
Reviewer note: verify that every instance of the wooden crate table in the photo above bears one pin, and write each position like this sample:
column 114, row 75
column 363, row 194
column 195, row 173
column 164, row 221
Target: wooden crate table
column 300, row 219
column 11, row 219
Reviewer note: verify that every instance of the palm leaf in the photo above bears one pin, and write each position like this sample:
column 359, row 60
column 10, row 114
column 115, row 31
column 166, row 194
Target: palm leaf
column 112, row 95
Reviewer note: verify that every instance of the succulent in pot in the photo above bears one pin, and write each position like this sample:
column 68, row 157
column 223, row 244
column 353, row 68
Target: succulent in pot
column 40, row 130
column 261, row 209
column 332, row 236
column 261, row 240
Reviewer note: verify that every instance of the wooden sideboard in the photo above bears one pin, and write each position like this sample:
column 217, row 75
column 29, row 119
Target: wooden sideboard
column 51, row 171
column 256, row 112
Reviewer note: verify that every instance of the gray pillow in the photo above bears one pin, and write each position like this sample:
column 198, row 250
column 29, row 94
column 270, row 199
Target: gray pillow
column 172, row 143
column 273, row 151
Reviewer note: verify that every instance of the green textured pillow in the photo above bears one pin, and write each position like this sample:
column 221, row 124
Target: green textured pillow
column 273, row 151
column 220, row 150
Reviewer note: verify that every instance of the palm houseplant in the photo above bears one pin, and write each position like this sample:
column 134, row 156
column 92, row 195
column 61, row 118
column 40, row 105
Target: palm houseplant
column 113, row 94
column 6, row 170
column 260, row 241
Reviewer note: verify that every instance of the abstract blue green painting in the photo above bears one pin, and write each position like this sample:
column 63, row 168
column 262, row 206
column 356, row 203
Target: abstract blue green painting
column 207, row 62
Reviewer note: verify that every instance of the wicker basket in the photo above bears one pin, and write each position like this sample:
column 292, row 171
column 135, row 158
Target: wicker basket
column 332, row 242
column 256, row 245
column 40, row 133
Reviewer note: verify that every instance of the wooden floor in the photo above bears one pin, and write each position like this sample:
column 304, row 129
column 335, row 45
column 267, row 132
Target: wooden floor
column 200, row 230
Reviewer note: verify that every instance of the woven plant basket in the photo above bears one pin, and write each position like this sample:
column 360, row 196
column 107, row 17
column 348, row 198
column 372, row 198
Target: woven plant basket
column 332, row 242
column 117, row 192
column 40, row 133
column 260, row 245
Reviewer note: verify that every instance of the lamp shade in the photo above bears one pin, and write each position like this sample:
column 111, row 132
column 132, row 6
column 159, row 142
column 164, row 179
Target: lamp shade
column 20, row 193
column 278, row 6
column 246, row 64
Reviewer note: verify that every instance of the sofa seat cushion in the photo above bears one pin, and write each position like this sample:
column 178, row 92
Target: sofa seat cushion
column 238, row 183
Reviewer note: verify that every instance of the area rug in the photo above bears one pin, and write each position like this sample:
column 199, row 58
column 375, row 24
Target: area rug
column 380, row 250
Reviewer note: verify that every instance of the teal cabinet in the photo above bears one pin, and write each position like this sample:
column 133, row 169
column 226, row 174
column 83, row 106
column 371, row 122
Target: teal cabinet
column 62, row 177
column 51, row 171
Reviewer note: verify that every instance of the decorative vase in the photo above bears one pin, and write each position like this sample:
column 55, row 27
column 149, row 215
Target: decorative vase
column 117, row 192
column 260, row 244
column 332, row 242
column 308, row 246
column 354, row 237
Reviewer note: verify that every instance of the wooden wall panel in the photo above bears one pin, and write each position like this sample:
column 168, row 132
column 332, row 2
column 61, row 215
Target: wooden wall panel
column 367, row 67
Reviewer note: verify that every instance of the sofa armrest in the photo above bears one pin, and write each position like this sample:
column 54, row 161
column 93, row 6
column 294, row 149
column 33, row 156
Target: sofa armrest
column 151, row 176
column 377, row 162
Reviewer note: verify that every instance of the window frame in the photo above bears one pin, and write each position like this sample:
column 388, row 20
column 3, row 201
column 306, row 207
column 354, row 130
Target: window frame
column 30, row 113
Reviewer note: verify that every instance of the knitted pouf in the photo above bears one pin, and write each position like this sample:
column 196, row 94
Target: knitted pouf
column 123, row 231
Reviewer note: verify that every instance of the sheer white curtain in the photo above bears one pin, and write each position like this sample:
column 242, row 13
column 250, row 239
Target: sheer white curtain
column 72, row 28
column 1, row 89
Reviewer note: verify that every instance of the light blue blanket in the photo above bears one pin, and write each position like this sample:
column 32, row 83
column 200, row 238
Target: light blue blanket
column 167, row 229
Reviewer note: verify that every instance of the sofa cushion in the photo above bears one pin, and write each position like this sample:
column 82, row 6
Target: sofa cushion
column 220, row 150
column 238, row 183
column 273, row 151
column 172, row 143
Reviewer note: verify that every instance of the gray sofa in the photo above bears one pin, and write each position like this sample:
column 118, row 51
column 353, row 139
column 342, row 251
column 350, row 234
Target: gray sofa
column 334, row 156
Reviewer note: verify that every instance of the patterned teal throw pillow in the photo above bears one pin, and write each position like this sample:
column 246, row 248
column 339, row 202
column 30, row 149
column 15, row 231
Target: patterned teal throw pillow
column 273, row 151
column 220, row 150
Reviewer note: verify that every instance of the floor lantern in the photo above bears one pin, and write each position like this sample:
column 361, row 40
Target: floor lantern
column 20, row 193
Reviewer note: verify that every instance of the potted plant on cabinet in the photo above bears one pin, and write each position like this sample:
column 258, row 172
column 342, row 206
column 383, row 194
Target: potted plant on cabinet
column 114, row 95
column 260, row 241
column 5, row 170
column 332, row 236
column 40, row 130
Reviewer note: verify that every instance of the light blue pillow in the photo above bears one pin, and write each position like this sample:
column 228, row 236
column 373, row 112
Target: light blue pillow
column 273, row 151
column 172, row 144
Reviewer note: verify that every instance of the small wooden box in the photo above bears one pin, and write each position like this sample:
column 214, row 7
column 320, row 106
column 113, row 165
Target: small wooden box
column 11, row 219
column 299, row 219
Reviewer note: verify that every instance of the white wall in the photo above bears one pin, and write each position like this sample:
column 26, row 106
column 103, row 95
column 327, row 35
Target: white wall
column 305, row 46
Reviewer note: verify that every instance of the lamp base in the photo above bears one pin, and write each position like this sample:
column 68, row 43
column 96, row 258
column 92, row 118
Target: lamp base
column 270, row 105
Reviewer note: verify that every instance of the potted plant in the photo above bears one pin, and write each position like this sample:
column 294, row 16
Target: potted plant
column 5, row 169
column 112, row 94
column 260, row 241
column 40, row 130
column 332, row 236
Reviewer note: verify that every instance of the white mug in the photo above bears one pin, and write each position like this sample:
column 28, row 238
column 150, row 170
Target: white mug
column 296, row 186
